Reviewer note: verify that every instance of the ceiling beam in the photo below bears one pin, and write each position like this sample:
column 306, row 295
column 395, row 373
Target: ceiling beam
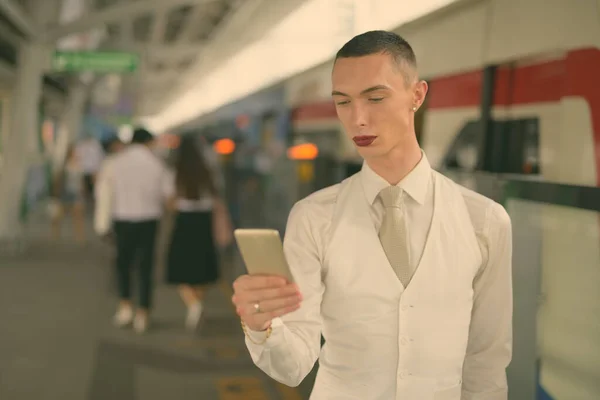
column 159, row 27
column 116, row 13
column 190, row 28
column 239, row 14
column 250, row 22
column 19, row 17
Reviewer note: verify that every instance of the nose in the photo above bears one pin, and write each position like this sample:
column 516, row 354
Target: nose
column 359, row 114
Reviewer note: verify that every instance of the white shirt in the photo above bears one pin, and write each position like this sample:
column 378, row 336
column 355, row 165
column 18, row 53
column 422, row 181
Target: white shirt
column 347, row 371
column 141, row 184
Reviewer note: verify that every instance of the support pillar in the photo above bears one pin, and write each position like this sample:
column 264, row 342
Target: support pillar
column 70, row 124
column 21, row 144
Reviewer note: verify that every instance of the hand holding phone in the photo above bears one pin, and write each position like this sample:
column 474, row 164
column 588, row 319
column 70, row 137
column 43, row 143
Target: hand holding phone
column 268, row 291
column 259, row 299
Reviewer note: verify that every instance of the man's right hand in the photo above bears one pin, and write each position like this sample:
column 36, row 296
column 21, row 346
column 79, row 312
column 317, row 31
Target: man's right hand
column 260, row 298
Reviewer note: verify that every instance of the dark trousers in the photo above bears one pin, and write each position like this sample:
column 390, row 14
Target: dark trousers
column 136, row 240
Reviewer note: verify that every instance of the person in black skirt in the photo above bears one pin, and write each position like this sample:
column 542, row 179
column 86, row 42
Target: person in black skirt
column 192, row 259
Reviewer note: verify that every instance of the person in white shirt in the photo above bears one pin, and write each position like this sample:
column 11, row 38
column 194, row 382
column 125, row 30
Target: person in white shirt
column 406, row 274
column 140, row 185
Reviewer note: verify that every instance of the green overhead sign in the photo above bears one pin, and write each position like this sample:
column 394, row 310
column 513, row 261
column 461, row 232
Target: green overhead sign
column 78, row 61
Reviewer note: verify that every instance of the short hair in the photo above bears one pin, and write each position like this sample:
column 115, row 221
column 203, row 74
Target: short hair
column 375, row 42
column 141, row 136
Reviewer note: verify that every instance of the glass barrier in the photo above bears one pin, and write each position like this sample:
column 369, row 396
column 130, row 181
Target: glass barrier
column 556, row 274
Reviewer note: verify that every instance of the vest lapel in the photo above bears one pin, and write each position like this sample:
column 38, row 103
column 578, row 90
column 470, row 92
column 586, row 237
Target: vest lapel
column 359, row 221
column 364, row 245
column 426, row 260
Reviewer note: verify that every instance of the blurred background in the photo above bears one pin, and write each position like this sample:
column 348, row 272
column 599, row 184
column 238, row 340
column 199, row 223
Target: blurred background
column 513, row 112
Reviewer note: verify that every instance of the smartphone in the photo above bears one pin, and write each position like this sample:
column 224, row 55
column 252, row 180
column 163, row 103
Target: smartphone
column 262, row 251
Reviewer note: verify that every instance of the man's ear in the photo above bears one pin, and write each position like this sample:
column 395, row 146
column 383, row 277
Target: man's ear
column 420, row 92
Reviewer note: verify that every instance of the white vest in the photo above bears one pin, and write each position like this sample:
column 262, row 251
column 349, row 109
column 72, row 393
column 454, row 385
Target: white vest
column 428, row 321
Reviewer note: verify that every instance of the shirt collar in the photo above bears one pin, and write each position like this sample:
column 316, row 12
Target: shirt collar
column 415, row 183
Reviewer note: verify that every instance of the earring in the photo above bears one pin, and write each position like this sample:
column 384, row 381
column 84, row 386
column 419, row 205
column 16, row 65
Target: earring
column 414, row 108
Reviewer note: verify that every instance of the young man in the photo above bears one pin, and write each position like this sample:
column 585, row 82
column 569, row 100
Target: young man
column 406, row 274
column 140, row 185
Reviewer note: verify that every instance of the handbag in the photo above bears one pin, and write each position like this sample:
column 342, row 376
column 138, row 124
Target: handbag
column 222, row 226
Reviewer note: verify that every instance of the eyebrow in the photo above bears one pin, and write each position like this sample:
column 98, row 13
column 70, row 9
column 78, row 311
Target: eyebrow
column 368, row 90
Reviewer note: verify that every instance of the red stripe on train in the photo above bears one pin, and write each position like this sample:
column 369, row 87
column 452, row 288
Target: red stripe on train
column 530, row 84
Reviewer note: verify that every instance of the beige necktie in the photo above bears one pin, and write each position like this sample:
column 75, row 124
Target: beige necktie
column 393, row 235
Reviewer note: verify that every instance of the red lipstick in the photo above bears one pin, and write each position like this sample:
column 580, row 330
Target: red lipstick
column 363, row 141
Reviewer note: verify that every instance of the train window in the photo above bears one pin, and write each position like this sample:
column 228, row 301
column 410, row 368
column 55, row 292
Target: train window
column 512, row 147
column 463, row 152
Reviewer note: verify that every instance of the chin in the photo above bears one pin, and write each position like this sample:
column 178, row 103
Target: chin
column 370, row 152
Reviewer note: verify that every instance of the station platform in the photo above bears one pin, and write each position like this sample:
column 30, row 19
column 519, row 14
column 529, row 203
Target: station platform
column 57, row 341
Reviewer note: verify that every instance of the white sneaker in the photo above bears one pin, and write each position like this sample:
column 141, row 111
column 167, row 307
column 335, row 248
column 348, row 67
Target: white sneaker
column 140, row 323
column 123, row 317
column 193, row 316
